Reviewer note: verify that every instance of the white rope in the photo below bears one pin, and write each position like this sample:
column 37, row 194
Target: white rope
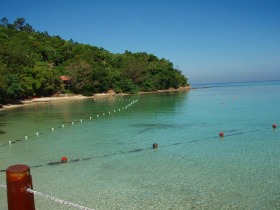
column 58, row 200
column 3, row 185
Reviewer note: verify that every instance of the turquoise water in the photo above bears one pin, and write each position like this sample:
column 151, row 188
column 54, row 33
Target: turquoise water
column 111, row 163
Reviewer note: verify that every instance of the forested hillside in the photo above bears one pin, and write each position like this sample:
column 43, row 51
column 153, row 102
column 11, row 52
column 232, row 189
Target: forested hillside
column 32, row 63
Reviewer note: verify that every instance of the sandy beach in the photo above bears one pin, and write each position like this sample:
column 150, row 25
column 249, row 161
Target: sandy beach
column 79, row 97
column 56, row 98
column 42, row 100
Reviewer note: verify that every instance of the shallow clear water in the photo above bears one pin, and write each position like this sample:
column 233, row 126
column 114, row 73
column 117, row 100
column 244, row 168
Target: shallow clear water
column 111, row 163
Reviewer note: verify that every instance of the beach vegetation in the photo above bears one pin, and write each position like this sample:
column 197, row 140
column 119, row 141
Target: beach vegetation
column 32, row 62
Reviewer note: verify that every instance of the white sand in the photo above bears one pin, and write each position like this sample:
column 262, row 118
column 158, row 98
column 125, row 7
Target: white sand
column 42, row 100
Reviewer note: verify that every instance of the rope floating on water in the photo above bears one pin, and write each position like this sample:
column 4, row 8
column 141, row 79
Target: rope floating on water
column 62, row 126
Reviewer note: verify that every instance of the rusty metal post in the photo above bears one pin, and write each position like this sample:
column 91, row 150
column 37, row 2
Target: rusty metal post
column 18, row 180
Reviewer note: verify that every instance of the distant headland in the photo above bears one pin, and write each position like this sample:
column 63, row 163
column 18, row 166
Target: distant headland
column 35, row 64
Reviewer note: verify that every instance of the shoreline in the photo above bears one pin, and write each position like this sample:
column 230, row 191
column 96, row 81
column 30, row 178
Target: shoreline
column 79, row 97
column 43, row 100
column 186, row 88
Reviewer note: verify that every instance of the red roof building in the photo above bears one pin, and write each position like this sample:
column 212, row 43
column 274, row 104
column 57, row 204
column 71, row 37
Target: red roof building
column 65, row 78
column 66, row 81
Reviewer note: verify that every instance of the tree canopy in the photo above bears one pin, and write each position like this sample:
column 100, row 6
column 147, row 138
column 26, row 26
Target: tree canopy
column 32, row 62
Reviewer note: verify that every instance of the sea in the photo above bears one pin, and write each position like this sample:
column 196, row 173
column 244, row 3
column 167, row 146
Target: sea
column 111, row 162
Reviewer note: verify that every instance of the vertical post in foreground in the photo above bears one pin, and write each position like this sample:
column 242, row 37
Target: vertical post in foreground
column 18, row 180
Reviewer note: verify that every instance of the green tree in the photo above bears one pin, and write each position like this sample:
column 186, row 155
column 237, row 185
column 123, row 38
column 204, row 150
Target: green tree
column 80, row 73
column 4, row 22
column 31, row 63
column 19, row 24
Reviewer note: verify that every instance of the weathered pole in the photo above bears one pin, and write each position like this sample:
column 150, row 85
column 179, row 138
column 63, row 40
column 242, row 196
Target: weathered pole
column 18, row 180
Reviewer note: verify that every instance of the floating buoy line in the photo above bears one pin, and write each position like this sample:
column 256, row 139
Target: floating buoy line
column 155, row 146
column 111, row 112
column 64, row 159
column 94, row 116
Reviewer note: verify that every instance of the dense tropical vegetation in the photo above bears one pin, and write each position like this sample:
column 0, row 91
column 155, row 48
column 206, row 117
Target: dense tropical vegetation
column 31, row 64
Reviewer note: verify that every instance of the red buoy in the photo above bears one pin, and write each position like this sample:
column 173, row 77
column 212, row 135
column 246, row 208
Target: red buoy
column 64, row 159
column 222, row 134
column 274, row 126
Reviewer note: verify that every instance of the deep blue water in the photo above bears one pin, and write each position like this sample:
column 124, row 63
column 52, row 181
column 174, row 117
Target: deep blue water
column 238, row 84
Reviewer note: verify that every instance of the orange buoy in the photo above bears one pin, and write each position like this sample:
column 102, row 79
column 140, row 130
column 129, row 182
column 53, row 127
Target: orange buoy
column 155, row 146
column 64, row 159
column 274, row 126
column 222, row 134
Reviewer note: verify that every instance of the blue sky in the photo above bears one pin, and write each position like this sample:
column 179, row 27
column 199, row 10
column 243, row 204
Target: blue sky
column 208, row 40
